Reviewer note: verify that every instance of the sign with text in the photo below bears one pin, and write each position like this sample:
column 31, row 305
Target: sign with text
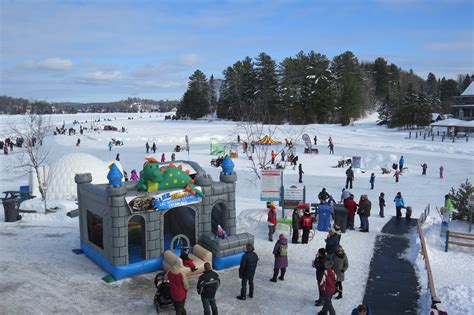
column 162, row 201
column 270, row 185
column 293, row 195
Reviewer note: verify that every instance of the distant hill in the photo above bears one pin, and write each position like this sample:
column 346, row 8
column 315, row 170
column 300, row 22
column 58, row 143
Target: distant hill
column 11, row 105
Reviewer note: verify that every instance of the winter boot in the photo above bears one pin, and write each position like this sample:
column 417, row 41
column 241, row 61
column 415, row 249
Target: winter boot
column 239, row 297
column 339, row 296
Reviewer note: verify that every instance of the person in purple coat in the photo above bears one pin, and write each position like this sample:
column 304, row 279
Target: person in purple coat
column 280, row 251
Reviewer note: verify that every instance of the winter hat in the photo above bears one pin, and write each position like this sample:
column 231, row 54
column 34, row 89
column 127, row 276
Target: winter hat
column 282, row 236
column 322, row 251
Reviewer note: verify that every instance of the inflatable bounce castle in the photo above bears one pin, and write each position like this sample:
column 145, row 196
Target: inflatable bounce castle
column 126, row 227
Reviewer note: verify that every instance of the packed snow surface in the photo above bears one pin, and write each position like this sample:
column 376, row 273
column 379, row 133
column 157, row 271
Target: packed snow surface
column 40, row 274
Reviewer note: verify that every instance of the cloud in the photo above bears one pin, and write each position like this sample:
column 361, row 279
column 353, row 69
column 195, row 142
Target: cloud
column 457, row 46
column 101, row 76
column 188, row 60
column 56, row 64
column 159, row 84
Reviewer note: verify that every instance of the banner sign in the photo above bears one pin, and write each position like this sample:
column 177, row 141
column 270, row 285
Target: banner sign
column 270, row 185
column 162, row 201
column 307, row 140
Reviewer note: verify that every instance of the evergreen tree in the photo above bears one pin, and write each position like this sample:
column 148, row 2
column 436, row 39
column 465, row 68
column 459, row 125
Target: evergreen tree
column 381, row 78
column 431, row 85
column 195, row 101
column 267, row 99
column 346, row 70
column 447, row 89
column 460, row 199
column 212, row 95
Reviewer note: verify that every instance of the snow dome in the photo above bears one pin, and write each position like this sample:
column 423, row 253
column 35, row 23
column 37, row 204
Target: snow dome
column 61, row 183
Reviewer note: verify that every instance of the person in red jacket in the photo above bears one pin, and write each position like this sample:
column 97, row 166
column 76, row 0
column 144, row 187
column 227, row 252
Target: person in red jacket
column 306, row 224
column 271, row 220
column 351, row 207
column 179, row 288
column 327, row 287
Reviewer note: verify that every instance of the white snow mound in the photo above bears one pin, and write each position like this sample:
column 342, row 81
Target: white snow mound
column 61, row 183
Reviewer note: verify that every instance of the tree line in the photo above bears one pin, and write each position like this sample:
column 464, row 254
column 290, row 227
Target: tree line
column 310, row 88
column 19, row 106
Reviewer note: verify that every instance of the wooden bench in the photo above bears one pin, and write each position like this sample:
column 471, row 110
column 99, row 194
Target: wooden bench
column 465, row 236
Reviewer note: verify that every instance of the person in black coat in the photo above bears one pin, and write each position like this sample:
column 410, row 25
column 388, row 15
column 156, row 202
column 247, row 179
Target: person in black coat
column 381, row 204
column 248, row 265
column 349, row 177
column 207, row 286
column 295, row 225
column 323, row 196
column 318, row 263
column 332, row 242
column 300, row 173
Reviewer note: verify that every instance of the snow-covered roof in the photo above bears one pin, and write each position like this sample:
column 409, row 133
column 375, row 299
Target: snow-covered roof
column 453, row 122
column 435, row 116
column 61, row 183
column 469, row 90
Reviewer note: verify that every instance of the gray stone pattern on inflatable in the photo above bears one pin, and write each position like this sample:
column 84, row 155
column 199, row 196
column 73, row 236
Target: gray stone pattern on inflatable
column 109, row 203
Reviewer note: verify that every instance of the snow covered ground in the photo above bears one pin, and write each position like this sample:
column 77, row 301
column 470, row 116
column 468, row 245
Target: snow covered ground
column 40, row 274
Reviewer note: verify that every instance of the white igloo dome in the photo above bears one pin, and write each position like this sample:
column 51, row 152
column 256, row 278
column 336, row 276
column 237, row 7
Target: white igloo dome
column 61, row 183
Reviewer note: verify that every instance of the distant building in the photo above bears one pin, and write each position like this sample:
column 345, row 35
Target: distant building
column 463, row 107
column 436, row 117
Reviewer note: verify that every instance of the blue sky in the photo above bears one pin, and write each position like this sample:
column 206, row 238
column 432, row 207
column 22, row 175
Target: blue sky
column 109, row 50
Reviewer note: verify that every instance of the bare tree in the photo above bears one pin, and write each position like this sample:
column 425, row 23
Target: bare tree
column 259, row 156
column 33, row 129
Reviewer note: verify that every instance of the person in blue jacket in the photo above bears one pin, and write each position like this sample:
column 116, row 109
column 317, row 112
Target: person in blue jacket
column 399, row 204
column 401, row 163
column 361, row 310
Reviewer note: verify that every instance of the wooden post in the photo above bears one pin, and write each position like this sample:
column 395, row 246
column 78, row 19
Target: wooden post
column 424, row 136
column 447, row 241
column 442, row 138
column 409, row 135
column 416, row 135
column 437, row 133
column 432, row 137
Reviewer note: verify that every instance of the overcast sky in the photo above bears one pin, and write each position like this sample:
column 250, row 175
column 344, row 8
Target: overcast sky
column 110, row 50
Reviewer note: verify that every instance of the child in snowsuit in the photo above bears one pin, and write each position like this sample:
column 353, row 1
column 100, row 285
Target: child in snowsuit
column 186, row 260
column 397, row 175
column 441, row 170
column 424, row 166
column 221, row 233
column 372, row 181
column 381, row 204
column 399, row 204
column 134, row 176
column 271, row 221
column 163, row 158
column 328, row 288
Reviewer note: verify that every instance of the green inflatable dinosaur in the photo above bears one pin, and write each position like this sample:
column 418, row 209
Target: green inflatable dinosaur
column 156, row 178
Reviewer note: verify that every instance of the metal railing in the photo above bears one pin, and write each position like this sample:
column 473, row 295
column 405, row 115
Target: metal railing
column 435, row 301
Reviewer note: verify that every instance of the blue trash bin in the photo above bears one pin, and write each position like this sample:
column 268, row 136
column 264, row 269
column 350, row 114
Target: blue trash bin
column 24, row 189
column 324, row 218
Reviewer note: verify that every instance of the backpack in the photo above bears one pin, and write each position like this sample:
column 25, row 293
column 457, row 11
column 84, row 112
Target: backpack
column 283, row 251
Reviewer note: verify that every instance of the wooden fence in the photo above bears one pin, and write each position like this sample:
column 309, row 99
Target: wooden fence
column 463, row 236
column 435, row 301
